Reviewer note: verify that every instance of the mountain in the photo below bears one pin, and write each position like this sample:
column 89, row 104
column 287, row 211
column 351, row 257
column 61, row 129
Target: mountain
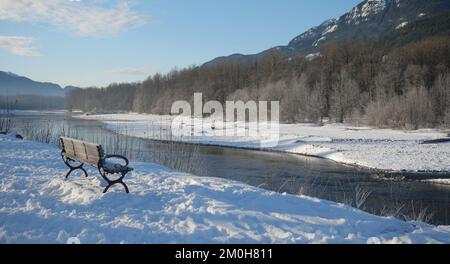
column 369, row 19
column 417, row 31
column 12, row 85
column 69, row 89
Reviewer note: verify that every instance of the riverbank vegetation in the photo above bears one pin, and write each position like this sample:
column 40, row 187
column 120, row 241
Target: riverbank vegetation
column 405, row 87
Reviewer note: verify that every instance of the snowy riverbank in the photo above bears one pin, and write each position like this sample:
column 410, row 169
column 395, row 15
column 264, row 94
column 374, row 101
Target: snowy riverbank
column 383, row 149
column 37, row 205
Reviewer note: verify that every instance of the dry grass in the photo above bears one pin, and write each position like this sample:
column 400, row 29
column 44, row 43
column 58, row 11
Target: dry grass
column 6, row 120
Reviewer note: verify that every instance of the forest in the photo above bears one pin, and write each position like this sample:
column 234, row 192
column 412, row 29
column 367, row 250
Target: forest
column 31, row 102
column 368, row 82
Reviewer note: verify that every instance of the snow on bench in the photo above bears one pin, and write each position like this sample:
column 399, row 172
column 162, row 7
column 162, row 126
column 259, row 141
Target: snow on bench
column 81, row 152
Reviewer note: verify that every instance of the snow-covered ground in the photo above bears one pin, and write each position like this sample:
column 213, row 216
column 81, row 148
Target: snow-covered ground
column 439, row 181
column 384, row 149
column 37, row 205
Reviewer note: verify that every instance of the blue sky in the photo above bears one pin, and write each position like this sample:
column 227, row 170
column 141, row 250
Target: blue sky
column 96, row 42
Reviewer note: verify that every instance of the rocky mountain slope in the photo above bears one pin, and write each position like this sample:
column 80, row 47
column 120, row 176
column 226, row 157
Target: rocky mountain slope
column 369, row 19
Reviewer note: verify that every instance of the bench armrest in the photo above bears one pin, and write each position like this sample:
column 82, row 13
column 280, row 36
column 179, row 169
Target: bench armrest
column 118, row 157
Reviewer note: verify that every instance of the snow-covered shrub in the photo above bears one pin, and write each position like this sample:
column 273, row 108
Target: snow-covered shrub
column 412, row 110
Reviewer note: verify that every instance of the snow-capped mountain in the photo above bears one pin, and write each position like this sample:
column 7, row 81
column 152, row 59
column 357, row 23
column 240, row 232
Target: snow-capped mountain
column 369, row 19
column 364, row 11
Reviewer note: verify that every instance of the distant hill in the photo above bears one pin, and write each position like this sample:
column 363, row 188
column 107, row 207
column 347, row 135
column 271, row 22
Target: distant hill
column 401, row 21
column 69, row 89
column 13, row 85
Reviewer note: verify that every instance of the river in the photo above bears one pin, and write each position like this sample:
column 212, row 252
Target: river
column 404, row 197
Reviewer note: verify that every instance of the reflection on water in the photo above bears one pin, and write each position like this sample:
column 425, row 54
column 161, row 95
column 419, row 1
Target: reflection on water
column 407, row 198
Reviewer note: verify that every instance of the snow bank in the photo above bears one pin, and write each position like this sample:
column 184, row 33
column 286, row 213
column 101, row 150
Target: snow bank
column 383, row 149
column 37, row 205
column 439, row 181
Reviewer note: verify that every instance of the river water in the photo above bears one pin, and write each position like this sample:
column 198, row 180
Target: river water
column 389, row 195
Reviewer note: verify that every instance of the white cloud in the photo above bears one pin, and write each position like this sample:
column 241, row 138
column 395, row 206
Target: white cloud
column 83, row 18
column 20, row 46
column 130, row 71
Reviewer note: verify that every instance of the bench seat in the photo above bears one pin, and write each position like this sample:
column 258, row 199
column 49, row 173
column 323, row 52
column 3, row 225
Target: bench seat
column 82, row 152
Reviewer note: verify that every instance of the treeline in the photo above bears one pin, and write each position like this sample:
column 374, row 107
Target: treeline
column 407, row 87
column 31, row 102
column 112, row 98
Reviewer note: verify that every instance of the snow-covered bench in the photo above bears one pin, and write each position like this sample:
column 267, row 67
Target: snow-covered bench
column 75, row 153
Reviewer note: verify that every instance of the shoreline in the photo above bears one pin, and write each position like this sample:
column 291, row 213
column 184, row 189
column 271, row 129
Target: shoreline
column 388, row 173
column 184, row 208
column 319, row 149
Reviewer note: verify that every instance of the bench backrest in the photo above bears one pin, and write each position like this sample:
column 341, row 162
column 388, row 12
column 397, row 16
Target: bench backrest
column 82, row 151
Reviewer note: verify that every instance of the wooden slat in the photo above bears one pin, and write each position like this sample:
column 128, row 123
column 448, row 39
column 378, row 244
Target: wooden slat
column 68, row 148
column 81, row 151
column 93, row 156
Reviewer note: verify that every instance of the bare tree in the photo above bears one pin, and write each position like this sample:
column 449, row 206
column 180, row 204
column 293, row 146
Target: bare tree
column 345, row 96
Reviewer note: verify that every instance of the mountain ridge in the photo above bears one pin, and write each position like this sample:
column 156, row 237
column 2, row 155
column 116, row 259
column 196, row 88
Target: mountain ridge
column 368, row 19
column 12, row 84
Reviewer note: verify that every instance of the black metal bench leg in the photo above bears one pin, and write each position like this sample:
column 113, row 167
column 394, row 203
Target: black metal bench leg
column 85, row 172
column 111, row 183
column 74, row 169
column 68, row 173
column 125, row 186
column 114, row 183
column 107, row 187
